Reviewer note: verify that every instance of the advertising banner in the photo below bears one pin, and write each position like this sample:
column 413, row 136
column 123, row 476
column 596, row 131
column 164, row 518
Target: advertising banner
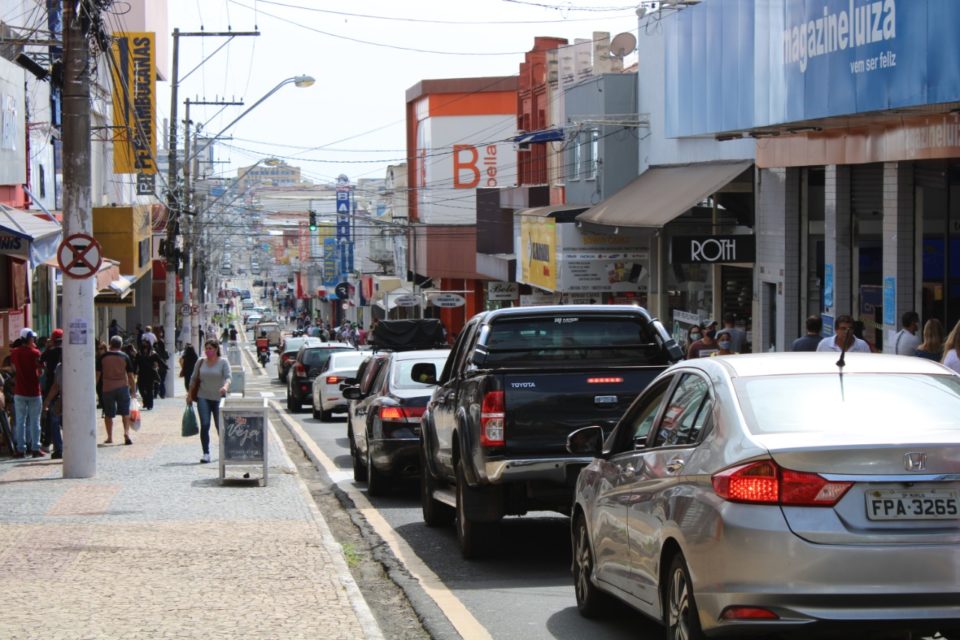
column 747, row 64
column 134, row 102
column 595, row 263
column 538, row 252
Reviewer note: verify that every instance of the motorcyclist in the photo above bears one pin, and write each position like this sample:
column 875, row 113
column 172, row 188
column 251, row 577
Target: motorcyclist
column 263, row 347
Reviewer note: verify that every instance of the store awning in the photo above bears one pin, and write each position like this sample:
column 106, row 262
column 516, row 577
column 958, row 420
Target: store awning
column 25, row 235
column 553, row 210
column 660, row 194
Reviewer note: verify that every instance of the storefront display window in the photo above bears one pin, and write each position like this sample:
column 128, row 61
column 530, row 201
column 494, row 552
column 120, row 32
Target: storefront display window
column 937, row 198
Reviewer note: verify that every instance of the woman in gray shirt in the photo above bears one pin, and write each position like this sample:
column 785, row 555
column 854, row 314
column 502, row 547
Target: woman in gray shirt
column 210, row 382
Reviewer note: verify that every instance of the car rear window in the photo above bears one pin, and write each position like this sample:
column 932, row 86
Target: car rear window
column 909, row 404
column 315, row 358
column 349, row 360
column 403, row 369
column 587, row 339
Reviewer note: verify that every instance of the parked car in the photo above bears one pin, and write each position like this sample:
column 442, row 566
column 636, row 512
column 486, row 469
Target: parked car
column 311, row 358
column 288, row 349
column 518, row 381
column 777, row 493
column 366, row 375
column 251, row 320
column 327, row 396
column 387, row 434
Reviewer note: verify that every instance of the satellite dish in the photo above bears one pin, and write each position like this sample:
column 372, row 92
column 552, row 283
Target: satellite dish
column 623, row 45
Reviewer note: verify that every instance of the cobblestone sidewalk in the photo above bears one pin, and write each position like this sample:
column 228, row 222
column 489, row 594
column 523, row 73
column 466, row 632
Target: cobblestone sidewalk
column 155, row 547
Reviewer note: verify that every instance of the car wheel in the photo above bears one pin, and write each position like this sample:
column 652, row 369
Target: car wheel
column 359, row 470
column 376, row 481
column 475, row 538
column 316, row 414
column 435, row 513
column 591, row 602
column 326, row 416
column 680, row 615
column 294, row 405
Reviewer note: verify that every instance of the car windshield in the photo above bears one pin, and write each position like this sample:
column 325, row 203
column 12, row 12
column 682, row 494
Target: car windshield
column 403, row 369
column 316, row 358
column 607, row 340
column 872, row 403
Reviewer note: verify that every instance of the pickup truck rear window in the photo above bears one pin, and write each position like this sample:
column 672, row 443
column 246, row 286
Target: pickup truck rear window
column 599, row 340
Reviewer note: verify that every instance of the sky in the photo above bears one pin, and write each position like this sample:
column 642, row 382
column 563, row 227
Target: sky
column 364, row 55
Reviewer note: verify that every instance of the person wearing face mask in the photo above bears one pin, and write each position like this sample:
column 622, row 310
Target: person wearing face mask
column 209, row 383
column 724, row 344
column 695, row 333
column 703, row 347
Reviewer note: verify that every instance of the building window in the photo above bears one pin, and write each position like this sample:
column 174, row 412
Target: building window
column 575, row 166
column 144, row 251
column 592, row 154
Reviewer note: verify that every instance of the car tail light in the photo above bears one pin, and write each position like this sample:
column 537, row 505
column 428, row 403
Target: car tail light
column 287, row 356
column 614, row 380
column 401, row 414
column 765, row 482
column 299, row 369
column 491, row 420
column 748, row 613
column 334, row 379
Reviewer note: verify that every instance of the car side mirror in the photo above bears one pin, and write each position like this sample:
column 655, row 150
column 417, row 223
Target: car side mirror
column 587, row 441
column 424, row 373
column 352, row 393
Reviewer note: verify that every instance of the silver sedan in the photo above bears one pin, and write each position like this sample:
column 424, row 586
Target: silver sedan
column 777, row 493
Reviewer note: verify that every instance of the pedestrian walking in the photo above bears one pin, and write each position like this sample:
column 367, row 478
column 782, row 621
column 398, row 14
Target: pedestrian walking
column 209, row 383
column 147, row 369
column 705, row 346
column 738, row 337
column 160, row 348
column 951, row 349
column 118, row 385
column 188, row 362
column 724, row 344
column 51, row 357
column 932, row 346
column 908, row 338
column 844, row 339
column 114, row 329
column 53, row 408
column 811, row 341
column 27, row 400
column 148, row 335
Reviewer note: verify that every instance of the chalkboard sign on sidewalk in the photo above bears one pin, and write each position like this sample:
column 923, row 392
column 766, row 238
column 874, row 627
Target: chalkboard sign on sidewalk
column 243, row 436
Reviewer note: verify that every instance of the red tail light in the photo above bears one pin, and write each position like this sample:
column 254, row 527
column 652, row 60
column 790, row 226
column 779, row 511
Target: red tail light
column 401, row 414
column 299, row 369
column 748, row 613
column 765, row 482
column 334, row 379
column 491, row 420
column 287, row 356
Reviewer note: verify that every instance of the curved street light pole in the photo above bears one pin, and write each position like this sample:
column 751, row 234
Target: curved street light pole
column 170, row 305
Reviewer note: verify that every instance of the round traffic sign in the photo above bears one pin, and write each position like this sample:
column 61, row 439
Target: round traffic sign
column 79, row 256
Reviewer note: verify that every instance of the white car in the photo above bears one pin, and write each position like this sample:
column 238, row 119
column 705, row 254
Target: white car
column 252, row 321
column 327, row 397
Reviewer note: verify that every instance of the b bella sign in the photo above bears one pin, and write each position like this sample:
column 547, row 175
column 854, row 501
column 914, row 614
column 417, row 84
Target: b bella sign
column 712, row 249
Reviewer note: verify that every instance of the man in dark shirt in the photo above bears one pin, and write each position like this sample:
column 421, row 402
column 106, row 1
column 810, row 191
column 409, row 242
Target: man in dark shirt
column 26, row 395
column 810, row 341
column 51, row 357
column 705, row 346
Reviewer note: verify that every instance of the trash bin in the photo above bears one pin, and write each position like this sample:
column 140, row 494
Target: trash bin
column 243, row 438
column 238, row 381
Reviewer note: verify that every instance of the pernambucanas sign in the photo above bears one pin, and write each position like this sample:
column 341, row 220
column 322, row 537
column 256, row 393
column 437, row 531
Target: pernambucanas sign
column 134, row 102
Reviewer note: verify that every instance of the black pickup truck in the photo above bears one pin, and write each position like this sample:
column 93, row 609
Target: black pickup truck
column 517, row 381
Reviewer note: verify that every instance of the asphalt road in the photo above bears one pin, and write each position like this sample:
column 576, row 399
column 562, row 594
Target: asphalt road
column 524, row 591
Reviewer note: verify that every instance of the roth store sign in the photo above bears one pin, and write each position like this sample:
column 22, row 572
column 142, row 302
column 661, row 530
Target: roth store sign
column 712, row 249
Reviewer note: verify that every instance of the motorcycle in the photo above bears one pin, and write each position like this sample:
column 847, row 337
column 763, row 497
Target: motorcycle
column 263, row 354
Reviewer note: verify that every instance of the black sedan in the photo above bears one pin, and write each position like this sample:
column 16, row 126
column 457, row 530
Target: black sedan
column 310, row 360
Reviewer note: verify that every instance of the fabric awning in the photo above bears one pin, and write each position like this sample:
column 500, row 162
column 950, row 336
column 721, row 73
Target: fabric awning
column 553, row 210
column 28, row 236
column 660, row 194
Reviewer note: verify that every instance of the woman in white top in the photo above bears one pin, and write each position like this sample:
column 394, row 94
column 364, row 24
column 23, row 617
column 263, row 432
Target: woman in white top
column 209, row 383
column 951, row 349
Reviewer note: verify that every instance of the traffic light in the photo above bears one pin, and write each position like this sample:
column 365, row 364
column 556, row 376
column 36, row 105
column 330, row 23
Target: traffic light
column 313, row 221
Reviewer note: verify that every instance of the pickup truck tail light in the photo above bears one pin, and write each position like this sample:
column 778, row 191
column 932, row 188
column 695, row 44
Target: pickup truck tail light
column 491, row 420
column 402, row 414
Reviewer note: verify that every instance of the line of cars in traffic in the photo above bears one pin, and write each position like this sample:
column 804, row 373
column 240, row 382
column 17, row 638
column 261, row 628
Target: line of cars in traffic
column 793, row 494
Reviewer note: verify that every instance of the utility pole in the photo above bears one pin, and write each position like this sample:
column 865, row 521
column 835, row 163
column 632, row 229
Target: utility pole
column 174, row 199
column 79, row 389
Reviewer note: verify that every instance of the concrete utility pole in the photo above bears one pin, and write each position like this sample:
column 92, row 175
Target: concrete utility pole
column 79, row 388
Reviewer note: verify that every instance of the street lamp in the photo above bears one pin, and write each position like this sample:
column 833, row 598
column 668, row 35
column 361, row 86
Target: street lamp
column 170, row 305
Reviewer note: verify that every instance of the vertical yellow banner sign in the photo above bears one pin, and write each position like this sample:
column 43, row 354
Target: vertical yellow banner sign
column 134, row 103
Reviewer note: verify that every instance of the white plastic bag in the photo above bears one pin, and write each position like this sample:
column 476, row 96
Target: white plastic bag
column 135, row 413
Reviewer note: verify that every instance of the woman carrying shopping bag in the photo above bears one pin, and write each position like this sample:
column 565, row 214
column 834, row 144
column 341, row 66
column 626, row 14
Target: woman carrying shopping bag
column 209, row 383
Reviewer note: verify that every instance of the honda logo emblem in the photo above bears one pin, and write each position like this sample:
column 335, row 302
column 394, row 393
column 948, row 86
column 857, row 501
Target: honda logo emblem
column 915, row 461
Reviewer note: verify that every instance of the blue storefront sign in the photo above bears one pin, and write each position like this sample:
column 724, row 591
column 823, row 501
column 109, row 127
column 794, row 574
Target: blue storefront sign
column 890, row 300
column 747, row 64
column 330, row 262
column 828, row 286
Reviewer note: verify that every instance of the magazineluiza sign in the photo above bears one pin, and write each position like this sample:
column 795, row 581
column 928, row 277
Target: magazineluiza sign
column 852, row 27
column 712, row 249
column 134, row 103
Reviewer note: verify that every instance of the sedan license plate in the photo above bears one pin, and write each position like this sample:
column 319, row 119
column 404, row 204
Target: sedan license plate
column 898, row 504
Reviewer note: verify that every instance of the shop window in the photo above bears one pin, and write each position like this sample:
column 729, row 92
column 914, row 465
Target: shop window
column 143, row 252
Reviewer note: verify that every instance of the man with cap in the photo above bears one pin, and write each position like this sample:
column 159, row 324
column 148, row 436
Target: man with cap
column 27, row 400
column 705, row 346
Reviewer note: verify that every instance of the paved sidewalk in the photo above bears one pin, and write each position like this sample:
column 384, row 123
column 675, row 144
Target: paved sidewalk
column 155, row 547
